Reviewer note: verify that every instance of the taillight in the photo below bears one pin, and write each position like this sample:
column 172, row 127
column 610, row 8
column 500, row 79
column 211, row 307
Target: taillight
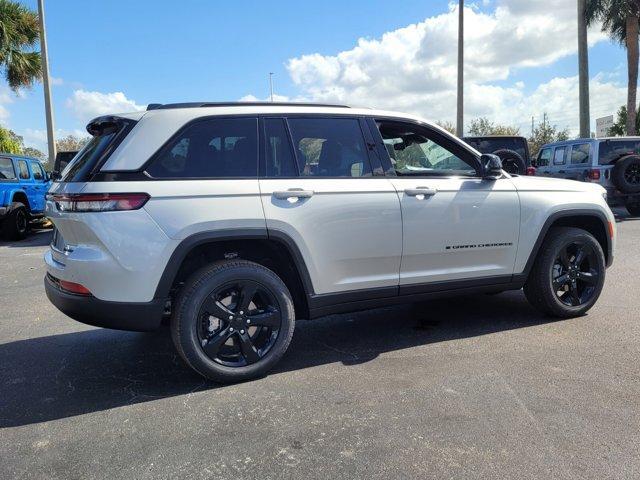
column 99, row 202
column 531, row 170
column 70, row 287
column 594, row 174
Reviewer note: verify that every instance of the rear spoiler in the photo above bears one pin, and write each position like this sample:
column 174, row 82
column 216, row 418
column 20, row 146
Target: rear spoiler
column 105, row 125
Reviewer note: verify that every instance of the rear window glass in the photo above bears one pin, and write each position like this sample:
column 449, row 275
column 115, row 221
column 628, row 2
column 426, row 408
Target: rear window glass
column 6, row 169
column 580, row 153
column 215, row 148
column 610, row 150
column 96, row 151
column 490, row 145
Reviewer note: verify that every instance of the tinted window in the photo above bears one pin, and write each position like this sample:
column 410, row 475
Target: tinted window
column 106, row 137
column 543, row 157
column 580, row 153
column 279, row 155
column 490, row 145
column 6, row 169
column 330, row 147
column 418, row 151
column 558, row 155
column 23, row 170
column 610, row 150
column 37, row 171
column 215, row 148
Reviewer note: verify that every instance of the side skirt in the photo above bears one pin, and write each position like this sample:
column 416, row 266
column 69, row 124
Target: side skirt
column 328, row 304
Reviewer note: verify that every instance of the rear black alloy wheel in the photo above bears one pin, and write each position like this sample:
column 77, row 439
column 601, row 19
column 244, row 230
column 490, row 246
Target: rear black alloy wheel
column 632, row 174
column 568, row 273
column 575, row 274
column 233, row 320
column 239, row 323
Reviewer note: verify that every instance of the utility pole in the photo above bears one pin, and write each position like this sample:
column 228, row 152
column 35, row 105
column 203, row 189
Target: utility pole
column 271, row 85
column 583, row 71
column 46, row 85
column 531, row 126
column 460, row 105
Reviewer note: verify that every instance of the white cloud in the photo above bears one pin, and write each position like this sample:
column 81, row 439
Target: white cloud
column 87, row 105
column 414, row 68
column 5, row 99
column 37, row 138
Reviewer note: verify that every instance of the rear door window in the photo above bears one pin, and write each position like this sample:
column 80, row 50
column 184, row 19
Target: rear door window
column 330, row 147
column 23, row 170
column 212, row 148
column 610, row 150
column 38, row 174
column 580, row 153
column 278, row 152
column 7, row 171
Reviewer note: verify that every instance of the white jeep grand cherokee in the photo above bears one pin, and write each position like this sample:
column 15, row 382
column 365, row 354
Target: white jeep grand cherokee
column 234, row 220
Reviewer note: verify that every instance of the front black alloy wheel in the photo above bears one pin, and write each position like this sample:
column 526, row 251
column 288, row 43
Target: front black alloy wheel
column 575, row 274
column 233, row 320
column 568, row 273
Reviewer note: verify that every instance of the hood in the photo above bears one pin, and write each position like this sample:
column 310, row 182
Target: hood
column 546, row 184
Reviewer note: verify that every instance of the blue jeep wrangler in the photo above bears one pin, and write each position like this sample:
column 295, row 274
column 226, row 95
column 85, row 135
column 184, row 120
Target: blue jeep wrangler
column 23, row 186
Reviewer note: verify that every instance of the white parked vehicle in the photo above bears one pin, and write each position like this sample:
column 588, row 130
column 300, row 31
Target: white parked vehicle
column 234, row 220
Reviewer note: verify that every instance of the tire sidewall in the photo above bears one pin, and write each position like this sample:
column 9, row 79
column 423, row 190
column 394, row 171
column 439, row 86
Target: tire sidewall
column 619, row 170
column 512, row 156
column 194, row 294
column 547, row 271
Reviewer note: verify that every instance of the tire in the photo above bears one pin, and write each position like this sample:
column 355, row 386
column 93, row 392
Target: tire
column 633, row 208
column 217, row 336
column 626, row 174
column 512, row 162
column 16, row 225
column 551, row 283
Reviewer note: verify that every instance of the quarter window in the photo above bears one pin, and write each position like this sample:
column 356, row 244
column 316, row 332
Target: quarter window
column 279, row 155
column 558, row 155
column 37, row 171
column 214, row 148
column 580, row 153
column 23, row 170
column 418, row 151
column 330, row 147
column 6, row 169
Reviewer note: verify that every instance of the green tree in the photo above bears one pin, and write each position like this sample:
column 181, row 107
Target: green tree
column 19, row 34
column 448, row 126
column 10, row 142
column 71, row 143
column 482, row 126
column 34, row 153
column 545, row 133
column 619, row 128
column 621, row 21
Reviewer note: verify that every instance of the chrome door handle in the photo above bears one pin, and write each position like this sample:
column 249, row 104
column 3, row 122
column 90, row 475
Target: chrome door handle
column 293, row 193
column 420, row 191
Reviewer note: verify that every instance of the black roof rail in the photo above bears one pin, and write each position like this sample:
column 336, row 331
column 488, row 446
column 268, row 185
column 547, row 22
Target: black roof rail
column 160, row 106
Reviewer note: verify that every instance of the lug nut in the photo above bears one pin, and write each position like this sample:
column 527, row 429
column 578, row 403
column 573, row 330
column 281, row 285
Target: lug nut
column 231, row 329
column 248, row 321
column 241, row 312
column 242, row 331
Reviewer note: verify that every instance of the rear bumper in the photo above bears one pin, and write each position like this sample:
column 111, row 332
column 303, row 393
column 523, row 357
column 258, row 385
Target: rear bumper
column 139, row 317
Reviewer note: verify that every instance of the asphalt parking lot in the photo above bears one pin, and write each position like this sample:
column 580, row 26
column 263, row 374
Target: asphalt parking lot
column 479, row 387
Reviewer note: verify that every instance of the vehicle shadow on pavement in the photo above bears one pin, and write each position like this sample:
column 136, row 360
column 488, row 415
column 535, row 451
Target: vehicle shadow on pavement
column 71, row 374
column 35, row 238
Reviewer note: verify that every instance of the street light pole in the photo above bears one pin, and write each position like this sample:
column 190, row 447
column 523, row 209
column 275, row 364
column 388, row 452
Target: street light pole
column 271, row 85
column 460, row 104
column 583, row 72
column 46, row 85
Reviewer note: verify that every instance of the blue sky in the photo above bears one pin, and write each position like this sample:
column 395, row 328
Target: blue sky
column 161, row 51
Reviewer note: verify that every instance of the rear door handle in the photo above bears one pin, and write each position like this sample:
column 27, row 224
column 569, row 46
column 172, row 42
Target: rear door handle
column 420, row 192
column 562, row 171
column 293, row 193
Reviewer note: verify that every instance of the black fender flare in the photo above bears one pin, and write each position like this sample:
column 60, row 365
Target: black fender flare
column 568, row 213
column 189, row 243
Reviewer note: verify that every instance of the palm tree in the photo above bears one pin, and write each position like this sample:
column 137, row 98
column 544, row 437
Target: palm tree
column 19, row 32
column 620, row 20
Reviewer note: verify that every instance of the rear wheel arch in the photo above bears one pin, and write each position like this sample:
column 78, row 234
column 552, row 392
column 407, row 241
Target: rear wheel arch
column 20, row 197
column 593, row 221
column 277, row 252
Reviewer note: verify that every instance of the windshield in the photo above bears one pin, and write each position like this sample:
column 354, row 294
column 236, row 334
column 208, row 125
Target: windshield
column 610, row 150
column 490, row 145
